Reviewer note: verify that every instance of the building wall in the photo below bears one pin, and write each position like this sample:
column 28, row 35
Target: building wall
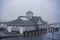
column 29, row 28
column 2, row 25
column 15, row 28
column 21, row 29
column 41, row 26
column 9, row 28
column 12, row 28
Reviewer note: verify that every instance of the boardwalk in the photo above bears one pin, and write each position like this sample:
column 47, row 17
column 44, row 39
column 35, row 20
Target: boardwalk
column 34, row 32
column 6, row 35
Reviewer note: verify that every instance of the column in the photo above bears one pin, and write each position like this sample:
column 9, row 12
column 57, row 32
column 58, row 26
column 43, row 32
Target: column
column 21, row 30
column 9, row 29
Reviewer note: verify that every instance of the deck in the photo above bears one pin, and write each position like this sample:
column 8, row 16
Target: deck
column 8, row 35
column 33, row 32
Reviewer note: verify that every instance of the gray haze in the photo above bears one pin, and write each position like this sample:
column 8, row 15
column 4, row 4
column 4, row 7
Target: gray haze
column 47, row 9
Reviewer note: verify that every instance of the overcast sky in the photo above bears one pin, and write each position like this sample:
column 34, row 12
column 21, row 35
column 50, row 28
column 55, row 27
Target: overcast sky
column 47, row 9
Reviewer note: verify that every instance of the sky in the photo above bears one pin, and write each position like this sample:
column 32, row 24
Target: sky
column 47, row 9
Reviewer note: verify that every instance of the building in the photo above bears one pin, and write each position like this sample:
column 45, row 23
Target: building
column 26, row 23
column 3, row 25
column 53, row 27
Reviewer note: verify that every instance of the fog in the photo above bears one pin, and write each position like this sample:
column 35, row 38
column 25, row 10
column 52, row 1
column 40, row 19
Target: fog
column 47, row 9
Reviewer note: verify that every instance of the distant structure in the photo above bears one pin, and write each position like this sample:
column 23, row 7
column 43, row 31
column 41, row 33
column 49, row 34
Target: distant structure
column 25, row 23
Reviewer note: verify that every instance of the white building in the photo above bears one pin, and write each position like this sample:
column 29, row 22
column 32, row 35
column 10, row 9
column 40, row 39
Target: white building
column 25, row 23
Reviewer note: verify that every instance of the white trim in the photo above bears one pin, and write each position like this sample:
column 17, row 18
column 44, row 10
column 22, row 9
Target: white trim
column 39, row 22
